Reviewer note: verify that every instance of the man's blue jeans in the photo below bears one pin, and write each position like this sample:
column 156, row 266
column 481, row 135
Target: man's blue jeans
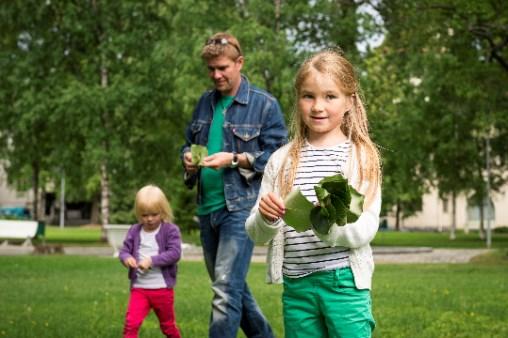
column 227, row 250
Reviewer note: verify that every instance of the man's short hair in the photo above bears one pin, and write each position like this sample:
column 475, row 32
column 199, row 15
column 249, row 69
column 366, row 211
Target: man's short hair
column 221, row 44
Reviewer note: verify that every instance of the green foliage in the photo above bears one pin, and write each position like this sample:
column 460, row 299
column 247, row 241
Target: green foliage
column 434, row 88
column 113, row 84
column 298, row 209
column 396, row 125
column 334, row 196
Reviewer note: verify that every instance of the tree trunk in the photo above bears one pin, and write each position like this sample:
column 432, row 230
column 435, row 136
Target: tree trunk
column 481, row 230
column 95, row 217
column 35, row 187
column 454, row 216
column 479, row 202
column 277, row 15
column 105, row 193
column 104, row 167
column 243, row 9
column 104, row 199
column 397, row 216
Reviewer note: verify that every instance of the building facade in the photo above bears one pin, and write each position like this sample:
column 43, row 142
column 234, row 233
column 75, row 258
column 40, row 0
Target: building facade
column 10, row 197
column 437, row 214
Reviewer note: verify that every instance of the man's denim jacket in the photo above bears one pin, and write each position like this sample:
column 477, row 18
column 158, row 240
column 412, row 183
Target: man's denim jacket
column 253, row 124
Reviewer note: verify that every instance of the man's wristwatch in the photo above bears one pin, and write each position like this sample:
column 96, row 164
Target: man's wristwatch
column 234, row 162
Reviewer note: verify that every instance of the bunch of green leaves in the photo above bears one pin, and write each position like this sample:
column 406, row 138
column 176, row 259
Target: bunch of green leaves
column 338, row 203
column 334, row 195
column 198, row 152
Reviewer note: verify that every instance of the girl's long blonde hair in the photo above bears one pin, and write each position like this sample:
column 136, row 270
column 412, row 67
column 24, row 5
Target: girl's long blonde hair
column 150, row 199
column 354, row 123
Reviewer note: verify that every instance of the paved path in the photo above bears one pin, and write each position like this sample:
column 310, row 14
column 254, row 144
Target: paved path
column 382, row 255
column 429, row 256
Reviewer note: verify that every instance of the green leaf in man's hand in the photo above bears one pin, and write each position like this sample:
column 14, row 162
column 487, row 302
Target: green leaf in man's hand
column 198, row 152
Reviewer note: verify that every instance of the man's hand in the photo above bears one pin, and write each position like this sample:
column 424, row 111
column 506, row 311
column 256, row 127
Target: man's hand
column 218, row 160
column 130, row 262
column 190, row 167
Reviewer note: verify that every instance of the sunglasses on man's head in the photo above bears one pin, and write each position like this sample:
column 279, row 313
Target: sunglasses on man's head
column 223, row 42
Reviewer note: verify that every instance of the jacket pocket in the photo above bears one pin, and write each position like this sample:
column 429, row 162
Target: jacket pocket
column 246, row 138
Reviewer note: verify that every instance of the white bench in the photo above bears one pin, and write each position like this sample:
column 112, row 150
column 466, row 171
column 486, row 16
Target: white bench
column 115, row 234
column 18, row 230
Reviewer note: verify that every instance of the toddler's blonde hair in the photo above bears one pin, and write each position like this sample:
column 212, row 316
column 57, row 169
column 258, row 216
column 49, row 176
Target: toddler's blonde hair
column 151, row 199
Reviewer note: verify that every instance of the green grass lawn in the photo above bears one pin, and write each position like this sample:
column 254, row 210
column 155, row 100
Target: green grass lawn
column 438, row 239
column 74, row 235
column 71, row 296
column 90, row 235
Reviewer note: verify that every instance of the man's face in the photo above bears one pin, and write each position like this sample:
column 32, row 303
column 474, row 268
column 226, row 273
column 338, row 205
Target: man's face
column 225, row 74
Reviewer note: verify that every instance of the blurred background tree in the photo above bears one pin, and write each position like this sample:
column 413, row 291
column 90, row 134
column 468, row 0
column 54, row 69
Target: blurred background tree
column 101, row 91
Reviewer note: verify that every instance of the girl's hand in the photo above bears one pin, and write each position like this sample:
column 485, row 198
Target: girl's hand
column 218, row 160
column 187, row 162
column 130, row 262
column 271, row 207
column 145, row 264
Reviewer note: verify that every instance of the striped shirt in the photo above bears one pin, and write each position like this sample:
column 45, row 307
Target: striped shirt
column 304, row 252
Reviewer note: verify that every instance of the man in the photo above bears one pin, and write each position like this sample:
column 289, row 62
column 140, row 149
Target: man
column 241, row 126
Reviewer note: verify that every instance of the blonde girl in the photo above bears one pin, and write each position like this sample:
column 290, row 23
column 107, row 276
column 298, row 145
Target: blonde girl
column 151, row 251
column 327, row 278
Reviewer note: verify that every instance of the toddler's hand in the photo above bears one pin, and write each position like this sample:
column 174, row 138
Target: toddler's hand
column 145, row 264
column 130, row 262
column 271, row 207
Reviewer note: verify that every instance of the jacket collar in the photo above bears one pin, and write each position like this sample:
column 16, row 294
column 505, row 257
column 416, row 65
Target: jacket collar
column 242, row 96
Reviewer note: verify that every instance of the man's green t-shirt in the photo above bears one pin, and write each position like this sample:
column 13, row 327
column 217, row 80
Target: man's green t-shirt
column 212, row 181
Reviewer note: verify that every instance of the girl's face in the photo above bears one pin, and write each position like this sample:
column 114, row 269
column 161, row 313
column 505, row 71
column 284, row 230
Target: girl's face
column 150, row 220
column 322, row 105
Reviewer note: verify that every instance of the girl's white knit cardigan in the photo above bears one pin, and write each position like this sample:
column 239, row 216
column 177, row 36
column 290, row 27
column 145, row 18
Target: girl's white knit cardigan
column 356, row 236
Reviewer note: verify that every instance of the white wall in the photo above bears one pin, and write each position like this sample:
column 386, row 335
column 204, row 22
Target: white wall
column 10, row 197
column 436, row 215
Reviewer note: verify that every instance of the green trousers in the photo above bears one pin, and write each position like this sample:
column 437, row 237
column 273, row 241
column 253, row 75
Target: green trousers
column 326, row 304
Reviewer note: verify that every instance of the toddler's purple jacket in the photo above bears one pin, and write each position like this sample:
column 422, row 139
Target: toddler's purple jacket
column 170, row 250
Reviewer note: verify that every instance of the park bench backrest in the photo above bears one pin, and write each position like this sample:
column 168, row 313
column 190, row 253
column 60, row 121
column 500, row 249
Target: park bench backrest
column 116, row 235
column 24, row 230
